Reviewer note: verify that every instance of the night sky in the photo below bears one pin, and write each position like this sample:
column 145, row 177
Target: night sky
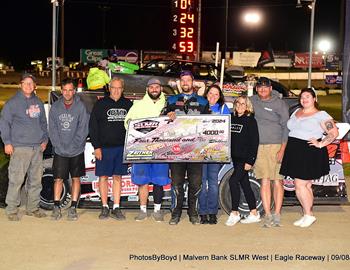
column 144, row 24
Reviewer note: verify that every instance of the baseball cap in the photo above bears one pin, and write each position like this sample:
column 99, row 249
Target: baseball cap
column 186, row 73
column 28, row 75
column 263, row 81
column 153, row 81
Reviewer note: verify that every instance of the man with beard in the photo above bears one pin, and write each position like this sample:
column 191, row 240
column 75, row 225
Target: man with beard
column 186, row 103
column 68, row 129
column 151, row 105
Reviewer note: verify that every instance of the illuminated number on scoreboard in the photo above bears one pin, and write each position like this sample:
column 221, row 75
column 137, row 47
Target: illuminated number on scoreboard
column 184, row 20
column 186, row 46
column 190, row 32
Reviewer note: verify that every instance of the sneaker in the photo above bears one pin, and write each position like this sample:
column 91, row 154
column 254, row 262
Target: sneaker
column 204, row 219
column 117, row 214
column 158, row 216
column 194, row 220
column 37, row 213
column 13, row 217
column 299, row 221
column 267, row 222
column 174, row 220
column 213, row 219
column 232, row 219
column 251, row 219
column 141, row 216
column 276, row 220
column 307, row 222
column 72, row 214
column 104, row 213
column 56, row 213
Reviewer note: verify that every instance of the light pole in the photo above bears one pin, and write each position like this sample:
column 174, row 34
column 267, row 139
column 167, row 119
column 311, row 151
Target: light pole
column 54, row 44
column 312, row 22
column 226, row 29
column 62, row 39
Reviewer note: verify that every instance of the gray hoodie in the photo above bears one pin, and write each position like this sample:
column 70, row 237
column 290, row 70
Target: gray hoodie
column 68, row 128
column 23, row 121
column 272, row 116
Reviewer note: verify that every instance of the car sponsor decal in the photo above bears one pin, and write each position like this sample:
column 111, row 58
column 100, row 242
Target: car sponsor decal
column 128, row 188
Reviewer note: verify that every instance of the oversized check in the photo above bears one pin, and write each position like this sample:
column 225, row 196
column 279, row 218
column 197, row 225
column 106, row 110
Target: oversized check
column 195, row 138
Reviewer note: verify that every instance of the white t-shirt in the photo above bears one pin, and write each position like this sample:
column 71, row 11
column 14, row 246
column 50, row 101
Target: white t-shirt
column 308, row 127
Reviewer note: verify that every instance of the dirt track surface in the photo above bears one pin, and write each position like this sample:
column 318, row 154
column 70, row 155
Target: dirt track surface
column 90, row 244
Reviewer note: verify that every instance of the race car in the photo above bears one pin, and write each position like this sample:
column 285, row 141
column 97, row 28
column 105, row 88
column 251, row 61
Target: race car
column 205, row 74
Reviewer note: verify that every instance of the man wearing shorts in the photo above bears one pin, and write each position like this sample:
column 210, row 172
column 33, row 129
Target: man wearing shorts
column 107, row 134
column 151, row 105
column 271, row 114
column 68, row 129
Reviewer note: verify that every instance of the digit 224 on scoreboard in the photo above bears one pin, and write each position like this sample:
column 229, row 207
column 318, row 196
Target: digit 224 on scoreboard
column 184, row 21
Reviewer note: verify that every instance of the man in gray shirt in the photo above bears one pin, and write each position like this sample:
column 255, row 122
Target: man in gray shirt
column 68, row 129
column 271, row 114
column 23, row 129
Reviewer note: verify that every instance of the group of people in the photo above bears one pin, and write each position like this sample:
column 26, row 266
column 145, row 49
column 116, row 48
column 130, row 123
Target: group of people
column 263, row 137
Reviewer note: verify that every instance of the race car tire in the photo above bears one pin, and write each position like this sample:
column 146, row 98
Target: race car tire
column 46, row 194
column 225, row 195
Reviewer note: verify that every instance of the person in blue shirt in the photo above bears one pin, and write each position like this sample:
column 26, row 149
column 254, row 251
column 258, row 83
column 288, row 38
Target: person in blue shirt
column 209, row 195
column 186, row 103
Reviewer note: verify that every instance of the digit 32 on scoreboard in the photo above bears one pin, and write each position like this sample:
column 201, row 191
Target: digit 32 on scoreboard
column 184, row 20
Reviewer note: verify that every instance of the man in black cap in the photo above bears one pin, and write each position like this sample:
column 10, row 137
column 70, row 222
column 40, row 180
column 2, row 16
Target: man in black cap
column 271, row 114
column 23, row 129
column 186, row 103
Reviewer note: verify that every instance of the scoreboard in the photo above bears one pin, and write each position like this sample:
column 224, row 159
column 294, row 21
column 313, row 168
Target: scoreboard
column 184, row 22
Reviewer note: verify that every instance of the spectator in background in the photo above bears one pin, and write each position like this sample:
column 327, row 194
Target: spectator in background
column 97, row 79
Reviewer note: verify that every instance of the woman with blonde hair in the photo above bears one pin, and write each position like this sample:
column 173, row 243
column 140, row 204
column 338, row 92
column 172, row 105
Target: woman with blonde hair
column 244, row 148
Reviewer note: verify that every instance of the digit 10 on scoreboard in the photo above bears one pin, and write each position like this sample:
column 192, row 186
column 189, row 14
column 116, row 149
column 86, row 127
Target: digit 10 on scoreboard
column 184, row 19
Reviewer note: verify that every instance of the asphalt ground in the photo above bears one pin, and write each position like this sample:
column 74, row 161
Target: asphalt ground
column 90, row 243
